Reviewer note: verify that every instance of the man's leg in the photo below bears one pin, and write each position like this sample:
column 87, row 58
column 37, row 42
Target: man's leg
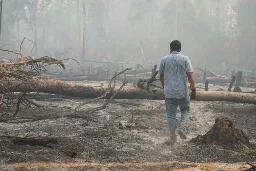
column 185, row 112
column 171, row 111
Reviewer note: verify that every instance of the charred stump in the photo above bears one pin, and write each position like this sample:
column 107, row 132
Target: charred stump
column 225, row 134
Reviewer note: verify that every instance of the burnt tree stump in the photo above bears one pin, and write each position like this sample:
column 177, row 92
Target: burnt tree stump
column 225, row 134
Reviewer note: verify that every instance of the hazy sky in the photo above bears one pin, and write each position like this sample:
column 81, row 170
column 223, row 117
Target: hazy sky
column 132, row 30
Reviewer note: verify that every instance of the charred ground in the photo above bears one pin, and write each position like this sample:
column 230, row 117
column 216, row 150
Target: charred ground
column 99, row 137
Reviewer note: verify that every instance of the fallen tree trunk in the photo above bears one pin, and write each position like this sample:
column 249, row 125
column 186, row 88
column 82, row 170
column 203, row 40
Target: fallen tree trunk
column 52, row 86
column 93, row 78
column 251, row 84
column 74, row 73
column 215, row 80
column 223, row 81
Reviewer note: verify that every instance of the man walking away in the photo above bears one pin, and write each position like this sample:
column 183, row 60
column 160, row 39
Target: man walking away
column 175, row 73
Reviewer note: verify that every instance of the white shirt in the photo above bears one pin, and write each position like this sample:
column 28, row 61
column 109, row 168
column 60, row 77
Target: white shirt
column 175, row 67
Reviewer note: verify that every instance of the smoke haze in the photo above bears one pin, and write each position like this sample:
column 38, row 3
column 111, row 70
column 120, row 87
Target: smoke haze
column 217, row 34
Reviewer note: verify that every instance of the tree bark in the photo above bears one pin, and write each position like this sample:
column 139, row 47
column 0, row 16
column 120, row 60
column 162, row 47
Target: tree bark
column 79, row 24
column 231, row 83
column 84, row 32
column 52, row 86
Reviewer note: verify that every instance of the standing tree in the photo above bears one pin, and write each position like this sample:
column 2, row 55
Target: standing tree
column 246, row 11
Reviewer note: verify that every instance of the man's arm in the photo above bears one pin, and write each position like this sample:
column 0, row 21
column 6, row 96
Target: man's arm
column 161, row 72
column 190, row 74
column 191, row 79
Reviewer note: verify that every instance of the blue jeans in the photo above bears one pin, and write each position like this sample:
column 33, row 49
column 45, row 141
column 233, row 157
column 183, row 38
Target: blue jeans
column 171, row 111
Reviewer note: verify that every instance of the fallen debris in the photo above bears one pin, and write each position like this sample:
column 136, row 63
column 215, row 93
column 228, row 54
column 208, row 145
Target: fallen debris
column 66, row 145
column 126, row 125
column 253, row 167
column 22, row 70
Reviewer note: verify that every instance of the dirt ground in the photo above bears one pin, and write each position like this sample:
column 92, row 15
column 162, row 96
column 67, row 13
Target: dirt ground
column 99, row 138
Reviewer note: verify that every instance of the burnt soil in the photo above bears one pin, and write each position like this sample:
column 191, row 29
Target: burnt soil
column 99, row 137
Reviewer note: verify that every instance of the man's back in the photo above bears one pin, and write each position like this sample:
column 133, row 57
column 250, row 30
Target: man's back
column 175, row 73
column 175, row 67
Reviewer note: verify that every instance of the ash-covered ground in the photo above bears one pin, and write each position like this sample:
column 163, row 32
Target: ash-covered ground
column 100, row 138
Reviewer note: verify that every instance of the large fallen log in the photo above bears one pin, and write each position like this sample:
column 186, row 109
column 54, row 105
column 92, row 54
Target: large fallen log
column 84, row 72
column 52, row 86
column 215, row 80
column 93, row 78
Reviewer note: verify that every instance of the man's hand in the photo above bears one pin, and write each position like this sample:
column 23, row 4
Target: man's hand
column 193, row 94
column 191, row 79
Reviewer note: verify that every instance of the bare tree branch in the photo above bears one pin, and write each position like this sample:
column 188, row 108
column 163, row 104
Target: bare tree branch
column 111, row 88
column 108, row 101
column 10, row 51
column 22, row 70
column 253, row 167
column 18, row 104
column 23, row 42
column 33, row 103
column 147, row 84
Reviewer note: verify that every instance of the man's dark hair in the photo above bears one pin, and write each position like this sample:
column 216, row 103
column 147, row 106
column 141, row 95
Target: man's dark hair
column 175, row 46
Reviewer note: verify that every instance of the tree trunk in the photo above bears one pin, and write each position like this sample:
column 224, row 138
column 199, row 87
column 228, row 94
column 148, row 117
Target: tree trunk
column 79, row 24
column 84, row 32
column 35, row 25
column 231, row 83
column 43, row 40
column 18, row 30
column 1, row 11
column 81, row 90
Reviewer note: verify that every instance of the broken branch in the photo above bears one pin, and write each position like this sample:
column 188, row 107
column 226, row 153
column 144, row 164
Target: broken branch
column 110, row 89
column 18, row 104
